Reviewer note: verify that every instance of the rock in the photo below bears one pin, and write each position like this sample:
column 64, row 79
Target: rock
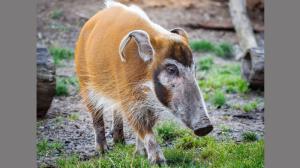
column 45, row 81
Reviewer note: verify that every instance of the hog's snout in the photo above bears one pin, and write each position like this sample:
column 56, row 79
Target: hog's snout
column 202, row 131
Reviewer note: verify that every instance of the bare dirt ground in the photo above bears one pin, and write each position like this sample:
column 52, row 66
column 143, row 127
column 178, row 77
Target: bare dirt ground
column 77, row 135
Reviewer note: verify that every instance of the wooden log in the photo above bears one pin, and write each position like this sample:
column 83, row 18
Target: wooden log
column 253, row 67
column 252, row 4
column 45, row 81
column 253, row 55
column 225, row 25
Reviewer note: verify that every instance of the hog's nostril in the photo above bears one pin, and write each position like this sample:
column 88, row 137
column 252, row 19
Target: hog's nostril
column 204, row 130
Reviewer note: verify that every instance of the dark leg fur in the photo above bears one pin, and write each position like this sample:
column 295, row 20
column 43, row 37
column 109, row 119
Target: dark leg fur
column 98, row 123
column 118, row 133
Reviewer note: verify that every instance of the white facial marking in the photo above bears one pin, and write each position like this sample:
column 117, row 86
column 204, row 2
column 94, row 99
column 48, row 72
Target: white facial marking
column 187, row 72
column 151, row 102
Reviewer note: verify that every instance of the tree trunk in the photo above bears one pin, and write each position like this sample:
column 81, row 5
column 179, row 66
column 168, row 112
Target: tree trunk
column 253, row 55
column 45, row 81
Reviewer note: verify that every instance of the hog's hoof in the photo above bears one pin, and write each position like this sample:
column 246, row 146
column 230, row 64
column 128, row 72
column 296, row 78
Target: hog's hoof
column 157, row 158
column 140, row 151
column 102, row 148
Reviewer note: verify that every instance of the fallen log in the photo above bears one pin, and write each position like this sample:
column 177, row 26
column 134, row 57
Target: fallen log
column 45, row 81
column 225, row 25
column 253, row 54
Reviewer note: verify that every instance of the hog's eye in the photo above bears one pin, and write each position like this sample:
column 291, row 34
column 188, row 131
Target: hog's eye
column 172, row 69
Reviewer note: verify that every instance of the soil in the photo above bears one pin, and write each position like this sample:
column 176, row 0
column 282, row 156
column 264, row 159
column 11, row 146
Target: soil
column 77, row 135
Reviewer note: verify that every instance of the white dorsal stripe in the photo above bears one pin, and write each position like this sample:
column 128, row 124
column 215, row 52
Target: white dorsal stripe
column 137, row 10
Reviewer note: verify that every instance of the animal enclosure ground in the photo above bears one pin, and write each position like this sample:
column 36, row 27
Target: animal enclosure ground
column 65, row 137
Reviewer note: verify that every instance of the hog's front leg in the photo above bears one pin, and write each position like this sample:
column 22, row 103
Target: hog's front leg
column 154, row 152
column 142, row 124
column 146, row 143
column 139, row 147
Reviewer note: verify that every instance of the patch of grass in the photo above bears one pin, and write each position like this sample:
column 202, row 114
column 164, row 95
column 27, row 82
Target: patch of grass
column 218, row 99
column 168, row 131
column 225, row 129
column 236, row 106
column 202, row 46
column 227, row 78
column 62, row 85
column 249, row 136
column 210, row 154
column 60, row 54
column 56, row 14
column 59, row 119
column 73, row 117
column 190, row 141
column 187, row 151
column 73, row 81
column 250, row 106
column 224, row 49
column 179, row 157
column 45, row 147
column 120, row 156
column 67, row 162
column 205, row 63
column 230, row 154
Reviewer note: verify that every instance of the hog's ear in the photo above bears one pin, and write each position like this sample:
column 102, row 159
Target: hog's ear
column 180, row 32
column 142, row 40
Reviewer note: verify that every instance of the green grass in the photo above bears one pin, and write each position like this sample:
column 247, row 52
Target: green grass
column 230, row 154
column 226, row 78
column 120, row 156
column 236, row 106
column 225, row 130
column 249, row 136
column 205, row 63
column 202, row 46
column 63, row 84
column 61, row 54
column 56, row 14
column 224, row 49
column 187, row 150
column 61, row 87
column 73, row 117
column 59, row 119
column 208, row 153
column 218, row 99
column 168, row 131
column 250, row 106
column 45, row 147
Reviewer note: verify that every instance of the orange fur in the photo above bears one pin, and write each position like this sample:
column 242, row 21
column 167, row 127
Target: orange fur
column 98, row 64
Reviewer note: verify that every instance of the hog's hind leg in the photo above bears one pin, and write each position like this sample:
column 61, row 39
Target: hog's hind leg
column 98, row 123
column 118, row 133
